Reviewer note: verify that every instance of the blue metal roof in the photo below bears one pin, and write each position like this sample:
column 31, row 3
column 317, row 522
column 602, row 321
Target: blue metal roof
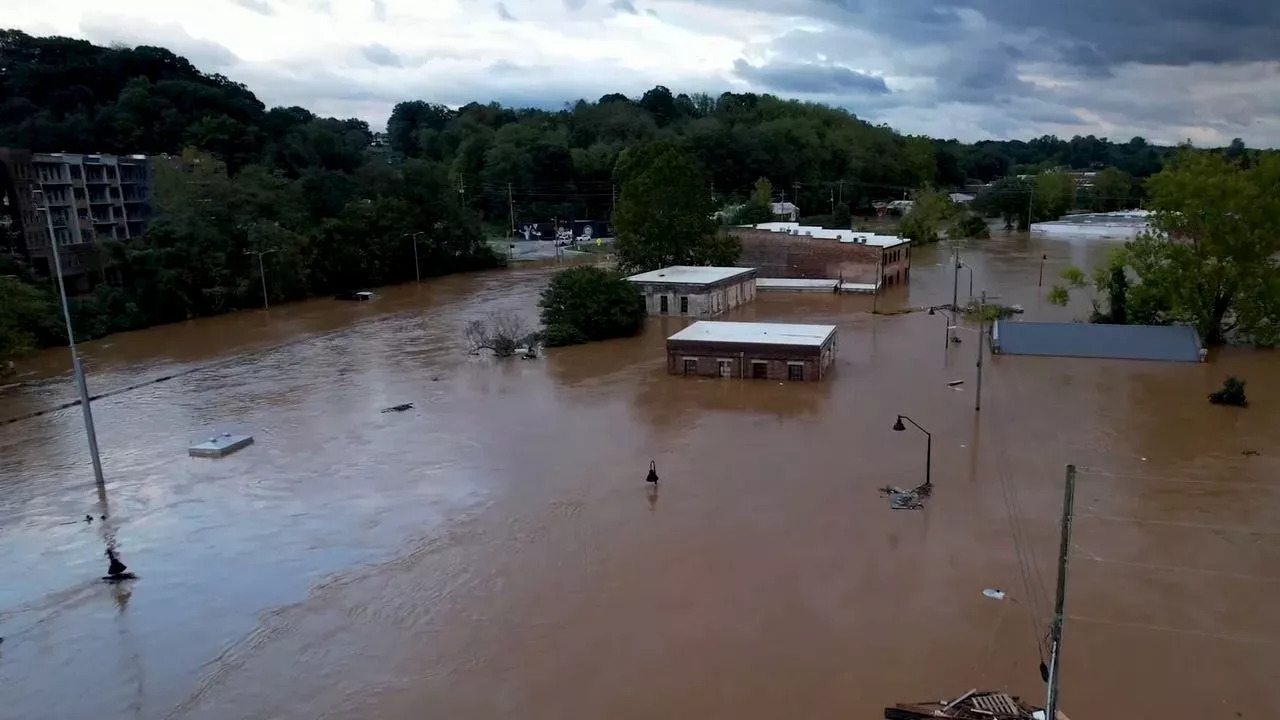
column 1178, row 343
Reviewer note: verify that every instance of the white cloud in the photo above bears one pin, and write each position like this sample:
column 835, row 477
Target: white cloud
column 950, row 72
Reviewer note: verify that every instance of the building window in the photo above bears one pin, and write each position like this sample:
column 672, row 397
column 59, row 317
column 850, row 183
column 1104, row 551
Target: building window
column 684, row 305
column 725, row 368
column 662, row 304
column 690, row 366
column 759, row 370
column 795, row 371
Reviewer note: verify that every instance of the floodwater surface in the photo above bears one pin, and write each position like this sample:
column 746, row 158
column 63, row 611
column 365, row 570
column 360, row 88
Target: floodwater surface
column 495, row 552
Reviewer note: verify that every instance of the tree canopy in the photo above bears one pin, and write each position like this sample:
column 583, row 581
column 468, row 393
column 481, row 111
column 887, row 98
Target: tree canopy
column 664, row 215
column 1212, row 257
column 588, row 303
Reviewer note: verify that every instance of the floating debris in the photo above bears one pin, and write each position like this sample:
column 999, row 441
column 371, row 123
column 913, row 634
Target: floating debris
column 1250, row 453
column 971, row 705
column 220, row 445
column 116, row 570
column 912, row 499
column 398, row 408
column 954, row 383
column 993, row 593
column 652, row 477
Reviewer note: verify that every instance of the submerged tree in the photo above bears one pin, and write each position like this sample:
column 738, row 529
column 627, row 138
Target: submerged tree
column 502, row 334
column 1213, row 256
column 587, row 303
column 664, row 215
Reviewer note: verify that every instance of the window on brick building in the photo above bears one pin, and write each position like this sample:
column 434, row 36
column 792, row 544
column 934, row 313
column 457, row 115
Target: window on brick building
column 684, row 305
column 662, row 304
column 795, row 371
column 759, row 371
column 690, row 366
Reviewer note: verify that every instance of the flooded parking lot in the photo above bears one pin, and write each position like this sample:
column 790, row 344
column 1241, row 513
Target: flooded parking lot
column 494, row 552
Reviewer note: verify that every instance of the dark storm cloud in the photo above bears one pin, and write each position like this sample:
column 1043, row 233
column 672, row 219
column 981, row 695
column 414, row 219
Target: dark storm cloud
column 625, row 6
column 809, row 78
column 380, row 55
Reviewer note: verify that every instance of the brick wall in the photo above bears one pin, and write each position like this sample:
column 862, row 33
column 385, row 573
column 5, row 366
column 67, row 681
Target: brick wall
column 777, row 255
column 741, row 357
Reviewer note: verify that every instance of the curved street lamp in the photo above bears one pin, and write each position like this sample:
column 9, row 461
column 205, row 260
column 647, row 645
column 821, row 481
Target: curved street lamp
column 928, row 462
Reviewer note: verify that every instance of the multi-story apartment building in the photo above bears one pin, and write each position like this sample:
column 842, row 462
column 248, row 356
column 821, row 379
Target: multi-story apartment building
column 91, row 198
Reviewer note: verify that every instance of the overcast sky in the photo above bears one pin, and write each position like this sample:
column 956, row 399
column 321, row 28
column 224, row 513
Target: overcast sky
column 1169, row 70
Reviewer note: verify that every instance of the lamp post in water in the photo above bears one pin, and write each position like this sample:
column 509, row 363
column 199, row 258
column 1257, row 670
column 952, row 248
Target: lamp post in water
column 928, row 456
column 76, row 366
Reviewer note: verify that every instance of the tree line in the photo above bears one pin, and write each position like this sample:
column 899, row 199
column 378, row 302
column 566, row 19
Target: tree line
column 327, row 208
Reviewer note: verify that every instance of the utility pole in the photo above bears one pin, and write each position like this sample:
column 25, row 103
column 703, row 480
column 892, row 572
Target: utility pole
column 955, row 276
column 1030, row 197
column 841, row 186
column 613, row 199
column 982, row 320
column 833, row 202
column 76, row 366
column 417, row 268
column 1043, row 257
column 796, row 187
column 1060, row 599
column 262, row 273
column 511, row 212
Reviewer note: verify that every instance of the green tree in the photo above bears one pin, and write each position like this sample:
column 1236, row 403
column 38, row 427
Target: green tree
column 1211, row 259
column 841, row 217
column 1007, row 199
column 664, row 214
column 26, row 312
column 927, row 217
column 587, row 303
column 1055, row 195
column 970, row 226
column 1111, row 189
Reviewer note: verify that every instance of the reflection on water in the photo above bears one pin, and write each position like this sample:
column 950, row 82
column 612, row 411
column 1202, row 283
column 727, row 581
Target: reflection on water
column 496, row 552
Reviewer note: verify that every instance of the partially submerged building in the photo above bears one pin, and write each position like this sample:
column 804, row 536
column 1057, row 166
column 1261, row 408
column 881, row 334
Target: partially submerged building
column 695, row 291
column 792, row 250
column 761, row 351
column 1171, row 343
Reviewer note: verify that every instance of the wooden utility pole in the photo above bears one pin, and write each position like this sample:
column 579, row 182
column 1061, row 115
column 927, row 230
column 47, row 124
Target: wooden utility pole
column 1060, row 599
column 982, row 319
column 511, row 210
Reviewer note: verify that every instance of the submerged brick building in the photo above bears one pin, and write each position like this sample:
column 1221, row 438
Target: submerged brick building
column 760, row 351
column 791, row 250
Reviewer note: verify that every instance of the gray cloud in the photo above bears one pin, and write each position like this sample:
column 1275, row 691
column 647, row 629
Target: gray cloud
column 380, row 55
column 503, row 12
column 205, row 54
column 262, row 7
column 380, row 10
column 809, row 78
column 573, row 5
column 624, row 6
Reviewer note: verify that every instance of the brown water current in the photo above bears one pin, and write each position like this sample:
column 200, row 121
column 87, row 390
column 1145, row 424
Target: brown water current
column 495, row 553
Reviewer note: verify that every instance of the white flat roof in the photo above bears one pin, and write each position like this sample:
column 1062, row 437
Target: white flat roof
column 755, row 333
column 847, row 236
column 689, row 275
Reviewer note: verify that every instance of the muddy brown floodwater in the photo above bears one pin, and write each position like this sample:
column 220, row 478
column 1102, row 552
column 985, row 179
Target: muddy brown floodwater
column 494, row 552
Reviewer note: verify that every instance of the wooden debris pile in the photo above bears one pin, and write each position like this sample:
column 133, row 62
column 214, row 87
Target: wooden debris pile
column 973, row 705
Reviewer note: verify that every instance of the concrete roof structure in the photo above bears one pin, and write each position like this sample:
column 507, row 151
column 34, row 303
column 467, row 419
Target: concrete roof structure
column 845, row 236
column 1173, row 343
column 691, row 275
column 750, row 333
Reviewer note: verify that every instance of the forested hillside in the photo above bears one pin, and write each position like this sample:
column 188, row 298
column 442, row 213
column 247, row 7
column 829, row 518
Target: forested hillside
column 333, row 211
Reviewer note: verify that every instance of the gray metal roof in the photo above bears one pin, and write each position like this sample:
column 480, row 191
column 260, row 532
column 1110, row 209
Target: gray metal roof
column 1179, row 343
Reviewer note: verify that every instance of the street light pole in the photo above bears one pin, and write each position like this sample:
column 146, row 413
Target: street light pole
column 77, row 367
column 928, row 461
column 1040, row 282
column 262, row 274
